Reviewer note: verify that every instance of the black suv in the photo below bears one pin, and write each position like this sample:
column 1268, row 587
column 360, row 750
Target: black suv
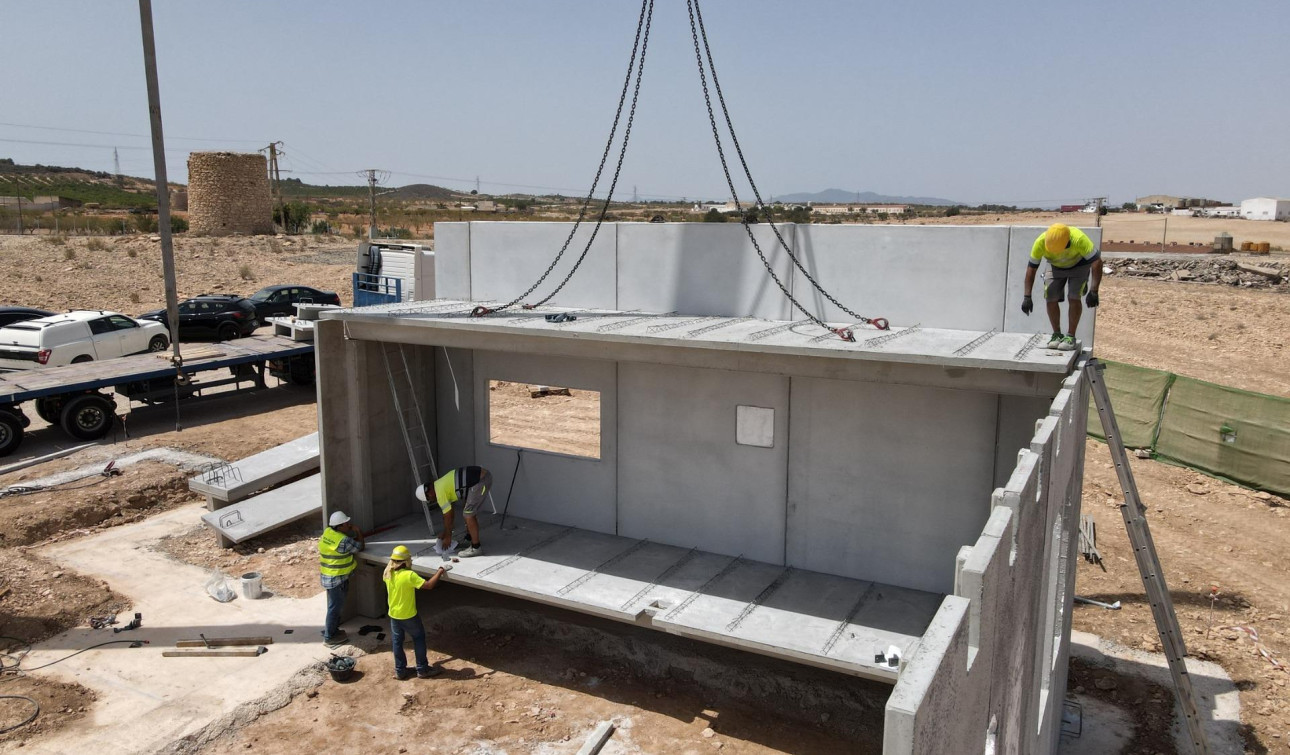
column 225, row 317
column 281, row 301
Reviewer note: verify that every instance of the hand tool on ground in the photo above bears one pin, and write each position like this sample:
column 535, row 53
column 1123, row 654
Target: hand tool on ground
column 1108, row 606
column 211, row 643
column 135, row 623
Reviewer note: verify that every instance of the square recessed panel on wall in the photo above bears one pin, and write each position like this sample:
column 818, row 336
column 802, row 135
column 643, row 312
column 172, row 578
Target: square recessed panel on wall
column 755, row 426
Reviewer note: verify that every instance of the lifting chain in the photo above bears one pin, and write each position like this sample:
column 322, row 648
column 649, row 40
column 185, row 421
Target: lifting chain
column 643, row 23
column 697, row 30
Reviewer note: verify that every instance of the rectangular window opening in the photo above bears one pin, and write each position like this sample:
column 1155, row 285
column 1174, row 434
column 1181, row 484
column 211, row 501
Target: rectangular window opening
column 544, row 418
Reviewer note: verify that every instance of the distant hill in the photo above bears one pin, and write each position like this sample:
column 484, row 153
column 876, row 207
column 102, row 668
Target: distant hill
column 840, row 196
column 424, row 191
column 75, row 183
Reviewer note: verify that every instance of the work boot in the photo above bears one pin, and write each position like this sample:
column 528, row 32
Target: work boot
column 340, row 638
column 429, row 673
column 1055, row 342
column 473, row 550
column 1067, row 344
column 403, row 676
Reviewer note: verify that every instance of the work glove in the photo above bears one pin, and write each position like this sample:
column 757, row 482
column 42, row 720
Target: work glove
column 1090, row 299
column 1028, row 304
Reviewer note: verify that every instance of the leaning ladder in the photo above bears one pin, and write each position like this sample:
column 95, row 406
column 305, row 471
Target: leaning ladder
column 408, row 410
column 1144, row 551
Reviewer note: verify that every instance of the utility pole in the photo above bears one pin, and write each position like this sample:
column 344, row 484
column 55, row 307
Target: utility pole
column 476, row 184
column 275, row 179
column 163, row 194
column 17, row 189
column 116, row 164
column 1165, row 233
column 1097, row 209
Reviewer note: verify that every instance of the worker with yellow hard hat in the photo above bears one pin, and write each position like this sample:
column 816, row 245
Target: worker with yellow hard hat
column 1075, row 270
column 401, row 585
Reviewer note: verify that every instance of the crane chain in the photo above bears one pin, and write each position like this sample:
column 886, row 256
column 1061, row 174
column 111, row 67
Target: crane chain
column 641, row 43
column 701, row 31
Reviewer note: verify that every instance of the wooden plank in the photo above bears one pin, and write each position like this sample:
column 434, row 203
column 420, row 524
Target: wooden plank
column 219, row 642
column 247, row 653
column 597, row 739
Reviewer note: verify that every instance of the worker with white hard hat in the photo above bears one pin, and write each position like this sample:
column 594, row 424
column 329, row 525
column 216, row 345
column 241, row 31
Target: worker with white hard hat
column 336, row 549
column 401, row 585
column 467, row 486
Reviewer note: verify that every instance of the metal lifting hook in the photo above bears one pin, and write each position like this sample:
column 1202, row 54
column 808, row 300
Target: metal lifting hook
column 845, row 334
column 880, row 323
column 480, row 311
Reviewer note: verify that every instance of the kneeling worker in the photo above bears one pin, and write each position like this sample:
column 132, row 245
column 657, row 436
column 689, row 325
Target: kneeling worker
column 1073, row 257
column 401, row 585
column 468, row 484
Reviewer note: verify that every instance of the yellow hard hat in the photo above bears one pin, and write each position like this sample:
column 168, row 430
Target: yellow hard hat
column 401, row 553
column 1057, row 237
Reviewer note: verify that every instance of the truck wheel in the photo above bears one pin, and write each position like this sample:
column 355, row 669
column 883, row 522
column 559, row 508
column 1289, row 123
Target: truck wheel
column 47, row 409
column 83, row 358
column 88, row 417
column 227, row 332
column 158, row 343
column 10, row 433
column 301, row 371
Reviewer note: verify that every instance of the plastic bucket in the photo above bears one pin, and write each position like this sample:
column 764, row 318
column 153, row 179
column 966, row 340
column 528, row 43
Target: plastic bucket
column 252, row 584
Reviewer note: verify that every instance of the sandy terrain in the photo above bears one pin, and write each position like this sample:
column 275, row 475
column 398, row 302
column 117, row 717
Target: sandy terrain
column 1208, row 533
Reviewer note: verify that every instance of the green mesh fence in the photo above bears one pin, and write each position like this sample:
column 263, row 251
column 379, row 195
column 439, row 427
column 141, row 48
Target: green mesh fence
column 1229, row 433
column 1137, row 394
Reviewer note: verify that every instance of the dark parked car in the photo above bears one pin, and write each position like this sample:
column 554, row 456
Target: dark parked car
column 224, row 317
column 277, row 301
column 10, row 315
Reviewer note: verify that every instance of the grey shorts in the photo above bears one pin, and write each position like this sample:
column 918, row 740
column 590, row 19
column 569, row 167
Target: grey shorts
column 1057, row 279
column 476, row 494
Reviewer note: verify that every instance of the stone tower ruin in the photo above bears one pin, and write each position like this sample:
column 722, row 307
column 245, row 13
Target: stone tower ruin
column 228, row 192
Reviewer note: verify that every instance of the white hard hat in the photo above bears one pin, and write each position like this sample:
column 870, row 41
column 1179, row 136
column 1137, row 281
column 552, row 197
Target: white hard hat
column 338, row 518
column 421, row 494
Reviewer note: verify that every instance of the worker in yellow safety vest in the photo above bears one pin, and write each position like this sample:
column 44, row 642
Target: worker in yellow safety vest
column 401, row 585
column 468, row 486
column 1075, row 270
column 336, row 549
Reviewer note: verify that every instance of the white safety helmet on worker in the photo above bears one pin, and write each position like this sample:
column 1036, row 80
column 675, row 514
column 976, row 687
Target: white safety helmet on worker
column 337, row 518
column 421, row 494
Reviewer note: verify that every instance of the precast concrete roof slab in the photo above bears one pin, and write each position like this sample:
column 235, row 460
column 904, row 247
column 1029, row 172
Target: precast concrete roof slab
column 824, row 620
column 268, row 511
column 903, row 343
column 235, row 481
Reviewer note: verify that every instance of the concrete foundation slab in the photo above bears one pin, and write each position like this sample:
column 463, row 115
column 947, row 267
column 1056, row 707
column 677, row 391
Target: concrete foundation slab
column 825, row 621
column 268, row 511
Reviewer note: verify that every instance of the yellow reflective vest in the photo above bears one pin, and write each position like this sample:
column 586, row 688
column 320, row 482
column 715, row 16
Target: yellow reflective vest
column 445, row 490
column 333, row 562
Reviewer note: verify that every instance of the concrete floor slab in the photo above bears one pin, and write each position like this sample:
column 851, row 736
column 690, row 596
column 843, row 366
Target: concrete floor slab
column 146, row 701
column 823, row 620
column 267, row 511
column 263, row 470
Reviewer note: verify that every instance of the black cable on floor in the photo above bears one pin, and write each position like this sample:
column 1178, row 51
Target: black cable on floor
column 35, row 712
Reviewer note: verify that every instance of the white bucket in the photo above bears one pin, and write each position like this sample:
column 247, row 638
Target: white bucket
column 251, row 585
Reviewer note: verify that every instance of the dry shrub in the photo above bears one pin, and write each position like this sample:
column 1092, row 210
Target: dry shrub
column 244, row 272
column 131, row 252
column 68, row 253
column 96, row 245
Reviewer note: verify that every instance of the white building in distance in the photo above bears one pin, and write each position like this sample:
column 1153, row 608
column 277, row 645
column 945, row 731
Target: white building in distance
column 1265, row 208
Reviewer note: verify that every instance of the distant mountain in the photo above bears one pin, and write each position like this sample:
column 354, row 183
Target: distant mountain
column 839, row 196
column 425, row 191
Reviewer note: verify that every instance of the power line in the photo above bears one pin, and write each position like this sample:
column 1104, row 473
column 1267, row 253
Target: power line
column 122, row 133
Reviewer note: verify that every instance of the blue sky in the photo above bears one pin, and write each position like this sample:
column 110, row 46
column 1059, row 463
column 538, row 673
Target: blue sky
column 1012, row 102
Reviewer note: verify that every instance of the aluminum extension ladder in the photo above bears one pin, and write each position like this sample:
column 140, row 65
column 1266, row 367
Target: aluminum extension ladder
column 1144, row 551
column 408, row 410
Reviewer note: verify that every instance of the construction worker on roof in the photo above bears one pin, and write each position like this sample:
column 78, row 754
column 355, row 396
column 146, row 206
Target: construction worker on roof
column 336, row 549
column 1073, row 259
column 468, row 486
column 401, row 585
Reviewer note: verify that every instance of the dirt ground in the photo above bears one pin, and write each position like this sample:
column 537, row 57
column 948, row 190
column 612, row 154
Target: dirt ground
column 1208, row 533
column 568, row 424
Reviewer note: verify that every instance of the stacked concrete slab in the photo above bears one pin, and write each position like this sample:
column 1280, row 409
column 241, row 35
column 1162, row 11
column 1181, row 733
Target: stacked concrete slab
column 908, row 466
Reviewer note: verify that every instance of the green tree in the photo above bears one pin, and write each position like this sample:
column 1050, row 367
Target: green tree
column 951, row 212
column 294, row 217
column 714, row 216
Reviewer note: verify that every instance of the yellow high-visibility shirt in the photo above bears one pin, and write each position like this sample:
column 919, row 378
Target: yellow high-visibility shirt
column 401, row 591
column 1079, row 250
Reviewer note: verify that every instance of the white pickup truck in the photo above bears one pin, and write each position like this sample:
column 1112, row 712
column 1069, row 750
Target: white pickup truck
column 79, row 336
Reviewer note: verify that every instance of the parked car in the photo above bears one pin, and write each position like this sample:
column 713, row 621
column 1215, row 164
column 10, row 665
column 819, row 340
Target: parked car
column 276, row 301
column 80, row 336
column 10, row 315
column 224, row 317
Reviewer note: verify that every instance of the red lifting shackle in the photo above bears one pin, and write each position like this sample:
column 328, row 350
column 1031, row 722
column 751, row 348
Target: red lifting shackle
column 480, row 311
column 880, row 323
column 844, row 333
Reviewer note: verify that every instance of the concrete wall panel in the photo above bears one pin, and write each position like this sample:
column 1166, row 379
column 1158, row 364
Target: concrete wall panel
column 856, row 502
column 682, row 478
column 702, row 269
column 507, row 258
column 1020, row 240
column 454, row 406
column 550, row 487
column 451, row 261
column 1017, row 418
column 941, row 277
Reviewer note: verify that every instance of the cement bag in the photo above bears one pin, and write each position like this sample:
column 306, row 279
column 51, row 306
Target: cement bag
column 218, row 588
